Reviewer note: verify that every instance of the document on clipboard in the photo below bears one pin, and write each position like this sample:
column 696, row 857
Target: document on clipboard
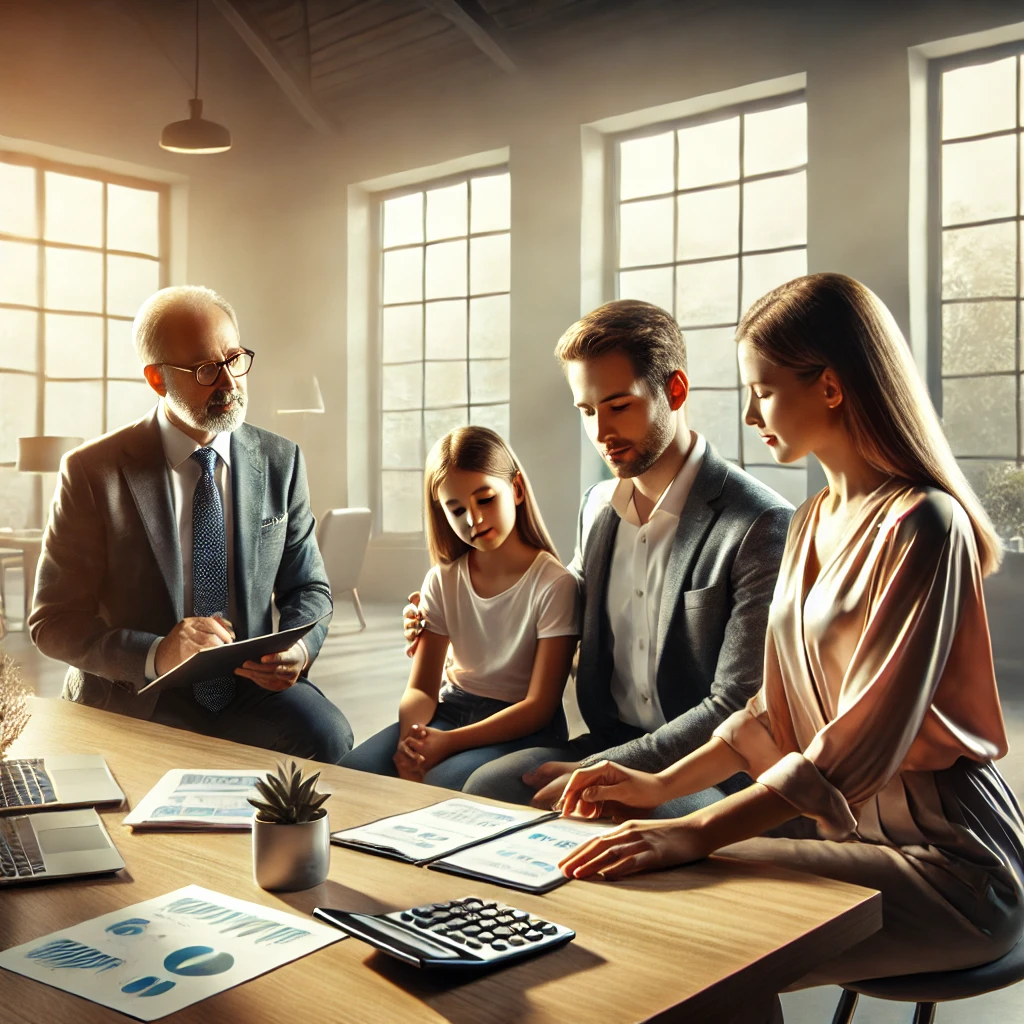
column 214, row 662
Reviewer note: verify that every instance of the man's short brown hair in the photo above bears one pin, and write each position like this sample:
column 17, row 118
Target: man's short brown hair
column 646, row 333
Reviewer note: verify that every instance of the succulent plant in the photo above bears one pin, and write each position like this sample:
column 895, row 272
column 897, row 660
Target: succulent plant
column 289, row 797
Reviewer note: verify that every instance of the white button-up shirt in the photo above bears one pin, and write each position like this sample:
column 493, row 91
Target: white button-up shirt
column 635, row 581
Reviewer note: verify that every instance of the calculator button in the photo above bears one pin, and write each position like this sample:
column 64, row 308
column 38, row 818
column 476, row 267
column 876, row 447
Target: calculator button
column 548, row 929
column 534, row 936
column 505, row 919
column 406, row 916
column 517, row 940
column 471, row 916
column 422, row 911
column 456, row 936
column 422, row 922
column 472, row 904
column 486, row 936
column 536, row 922
column 472, row 929
column 498, row 945
column 440, row 915
column 489, row 912
column 520, row 915
column 502, row 932
column 441, row 929
column 473, row 944
column 457, row 922
column 519, row 927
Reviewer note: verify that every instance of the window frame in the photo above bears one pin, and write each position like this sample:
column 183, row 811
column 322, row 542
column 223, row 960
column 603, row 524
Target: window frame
column 933, row 371
column 613, row 222
column 377, row 307
column 41, row 166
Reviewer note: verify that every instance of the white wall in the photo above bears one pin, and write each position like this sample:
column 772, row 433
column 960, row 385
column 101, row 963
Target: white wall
column 267, row 222
column 857, row 64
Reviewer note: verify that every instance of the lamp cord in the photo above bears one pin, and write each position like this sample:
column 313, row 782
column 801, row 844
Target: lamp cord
column 197, row 51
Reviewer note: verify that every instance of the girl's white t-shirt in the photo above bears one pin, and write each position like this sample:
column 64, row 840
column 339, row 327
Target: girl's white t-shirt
column 494, row 639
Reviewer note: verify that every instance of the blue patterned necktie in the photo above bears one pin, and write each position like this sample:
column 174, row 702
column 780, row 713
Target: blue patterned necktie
column 209, row 569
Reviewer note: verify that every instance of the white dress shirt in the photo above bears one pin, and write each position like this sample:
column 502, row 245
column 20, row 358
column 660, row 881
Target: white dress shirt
column 635, row 581
column 184, row 473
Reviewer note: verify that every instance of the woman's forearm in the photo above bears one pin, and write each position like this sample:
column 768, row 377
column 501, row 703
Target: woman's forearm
column 743, row 815
column 706, row 766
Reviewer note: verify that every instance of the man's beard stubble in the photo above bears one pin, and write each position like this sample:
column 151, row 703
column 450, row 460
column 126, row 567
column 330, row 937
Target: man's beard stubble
column 199, row 417
column 663, row 429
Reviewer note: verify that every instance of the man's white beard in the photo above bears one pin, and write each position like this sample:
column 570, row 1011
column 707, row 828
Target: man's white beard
column 198, row 417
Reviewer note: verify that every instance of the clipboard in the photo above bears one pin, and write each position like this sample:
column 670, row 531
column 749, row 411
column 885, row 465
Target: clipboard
column 222, row 661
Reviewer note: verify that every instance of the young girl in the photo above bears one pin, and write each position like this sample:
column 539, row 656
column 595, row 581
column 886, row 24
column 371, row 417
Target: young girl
column 873, row 735
column 508, row 607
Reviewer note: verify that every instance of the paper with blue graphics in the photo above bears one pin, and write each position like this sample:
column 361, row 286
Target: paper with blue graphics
column 431, row 832
column 526, row 859
column 157, row 957
column 197, row 799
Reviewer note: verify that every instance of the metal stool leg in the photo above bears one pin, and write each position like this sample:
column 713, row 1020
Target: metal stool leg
column 924, row 1013
column 846, row 1008
column 359, row 610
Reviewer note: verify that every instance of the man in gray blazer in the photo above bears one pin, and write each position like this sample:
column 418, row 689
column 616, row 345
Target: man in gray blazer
column 677, row 559
column 175, row 534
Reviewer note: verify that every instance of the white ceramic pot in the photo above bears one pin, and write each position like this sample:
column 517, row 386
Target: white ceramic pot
column 290, row 857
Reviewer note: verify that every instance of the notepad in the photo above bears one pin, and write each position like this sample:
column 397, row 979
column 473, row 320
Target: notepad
column 439, row 830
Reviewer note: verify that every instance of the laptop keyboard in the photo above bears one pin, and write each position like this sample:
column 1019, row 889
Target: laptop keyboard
column 24, row 783
column 20, row 856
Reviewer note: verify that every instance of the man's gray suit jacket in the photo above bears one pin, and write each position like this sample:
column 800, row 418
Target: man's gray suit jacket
column 110, row 576
column 714, row 613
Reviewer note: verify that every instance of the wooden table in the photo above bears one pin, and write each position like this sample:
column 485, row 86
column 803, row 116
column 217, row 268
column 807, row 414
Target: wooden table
column 720, row 934
column 31, row 544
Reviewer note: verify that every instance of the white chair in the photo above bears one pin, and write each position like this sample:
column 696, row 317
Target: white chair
column 343, row 534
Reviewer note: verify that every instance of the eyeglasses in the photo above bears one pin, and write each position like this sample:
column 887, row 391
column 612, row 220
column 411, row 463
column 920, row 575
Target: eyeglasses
column 207, row 374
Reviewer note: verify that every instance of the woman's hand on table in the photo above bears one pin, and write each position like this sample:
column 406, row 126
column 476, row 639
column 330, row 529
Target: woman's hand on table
column 637, row 846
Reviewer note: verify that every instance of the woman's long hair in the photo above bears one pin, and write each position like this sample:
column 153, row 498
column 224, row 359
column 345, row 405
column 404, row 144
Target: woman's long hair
column 830, row 320
column 476, row 450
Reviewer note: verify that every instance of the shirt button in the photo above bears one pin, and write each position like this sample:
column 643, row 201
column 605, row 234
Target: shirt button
column 639, row 593
column 647, row 700
column 641, row 642
column 643, row 539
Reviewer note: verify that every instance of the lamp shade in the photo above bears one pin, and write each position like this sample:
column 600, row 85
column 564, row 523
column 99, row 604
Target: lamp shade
column 43, row 454
column 300, row 394
column 196, row 134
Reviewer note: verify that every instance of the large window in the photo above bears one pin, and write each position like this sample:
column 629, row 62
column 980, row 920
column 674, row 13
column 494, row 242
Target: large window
column 444, row 327
column 711, row 214
column 978, row 102
column 79, row 251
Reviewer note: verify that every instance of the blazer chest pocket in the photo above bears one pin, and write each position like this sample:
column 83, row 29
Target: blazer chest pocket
column 704, row 597
column 273, row 526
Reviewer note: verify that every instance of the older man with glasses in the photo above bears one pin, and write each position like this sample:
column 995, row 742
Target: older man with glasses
column 176, row 534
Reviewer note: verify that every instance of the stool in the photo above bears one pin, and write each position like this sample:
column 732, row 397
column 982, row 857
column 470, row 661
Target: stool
column 937, row 987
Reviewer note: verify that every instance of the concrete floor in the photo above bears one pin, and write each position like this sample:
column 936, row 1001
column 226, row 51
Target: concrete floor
column 364, row 673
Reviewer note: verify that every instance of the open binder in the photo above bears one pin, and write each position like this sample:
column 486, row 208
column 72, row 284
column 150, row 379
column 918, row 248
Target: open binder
column 515, row 847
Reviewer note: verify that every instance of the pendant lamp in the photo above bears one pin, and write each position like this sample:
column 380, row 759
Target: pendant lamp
column 195, row 135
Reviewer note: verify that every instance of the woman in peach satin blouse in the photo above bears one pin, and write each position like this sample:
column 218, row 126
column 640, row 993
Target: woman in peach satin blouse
column 872, row 738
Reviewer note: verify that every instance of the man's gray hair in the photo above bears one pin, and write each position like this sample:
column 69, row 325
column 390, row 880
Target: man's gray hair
column 149, row 321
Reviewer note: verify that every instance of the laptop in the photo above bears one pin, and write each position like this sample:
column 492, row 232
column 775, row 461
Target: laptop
column 55, row 781
column 54, row 844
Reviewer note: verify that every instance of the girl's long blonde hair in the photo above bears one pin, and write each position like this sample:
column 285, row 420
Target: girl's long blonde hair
column 831, row 320
column 476, row 450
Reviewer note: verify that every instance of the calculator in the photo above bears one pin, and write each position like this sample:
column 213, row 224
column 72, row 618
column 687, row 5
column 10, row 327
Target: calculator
column 466, row 934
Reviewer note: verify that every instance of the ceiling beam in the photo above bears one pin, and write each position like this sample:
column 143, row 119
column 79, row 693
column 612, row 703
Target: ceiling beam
column 471, row 18
column 269, row 55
